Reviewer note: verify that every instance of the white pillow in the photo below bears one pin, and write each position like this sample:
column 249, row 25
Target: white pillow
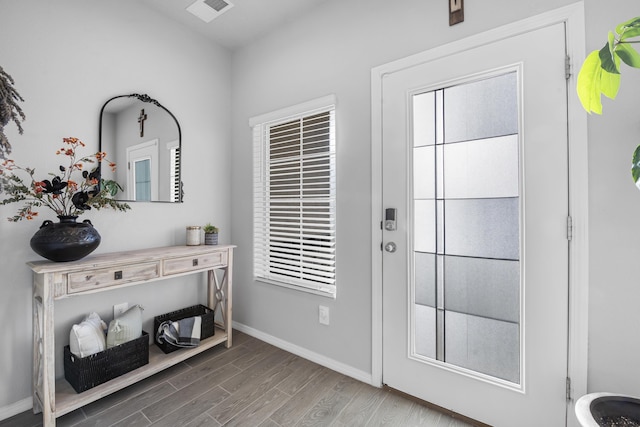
column 88, row 338
column 126, row 327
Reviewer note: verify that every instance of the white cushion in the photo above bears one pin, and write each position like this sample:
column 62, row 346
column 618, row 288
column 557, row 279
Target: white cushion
column 126, row 327
column 88, row 338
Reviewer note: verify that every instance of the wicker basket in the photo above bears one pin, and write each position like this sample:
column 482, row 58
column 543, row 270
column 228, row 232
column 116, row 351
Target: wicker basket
column 206, row 328
column 87, row 372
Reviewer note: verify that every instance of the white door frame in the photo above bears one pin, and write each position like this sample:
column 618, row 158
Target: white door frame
column 573, row 18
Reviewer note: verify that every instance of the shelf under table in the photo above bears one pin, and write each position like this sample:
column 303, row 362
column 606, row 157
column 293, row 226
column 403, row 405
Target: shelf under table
column 67, row 400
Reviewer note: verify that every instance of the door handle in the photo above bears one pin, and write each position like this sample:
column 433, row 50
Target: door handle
column 390, row 247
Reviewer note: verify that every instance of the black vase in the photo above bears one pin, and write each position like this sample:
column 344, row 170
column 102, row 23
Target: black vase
column 66, row 240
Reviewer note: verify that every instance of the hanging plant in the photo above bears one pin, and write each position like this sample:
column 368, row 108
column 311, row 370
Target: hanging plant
column 9, row 110
column 600, row 74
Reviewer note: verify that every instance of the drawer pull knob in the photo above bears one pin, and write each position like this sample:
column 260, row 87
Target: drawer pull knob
column 117, row 275
column 195, row 262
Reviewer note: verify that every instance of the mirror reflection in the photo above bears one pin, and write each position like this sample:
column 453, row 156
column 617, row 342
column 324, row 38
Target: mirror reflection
column 143, row 138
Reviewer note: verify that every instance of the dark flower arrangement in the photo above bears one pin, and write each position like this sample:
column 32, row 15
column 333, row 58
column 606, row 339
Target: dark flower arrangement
column 62, row 194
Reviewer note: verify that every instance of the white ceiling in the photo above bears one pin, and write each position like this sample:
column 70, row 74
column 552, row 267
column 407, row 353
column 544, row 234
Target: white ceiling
column 246, row 21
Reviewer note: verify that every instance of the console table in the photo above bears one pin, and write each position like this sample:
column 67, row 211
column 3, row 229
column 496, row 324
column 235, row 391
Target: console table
column 105, row 272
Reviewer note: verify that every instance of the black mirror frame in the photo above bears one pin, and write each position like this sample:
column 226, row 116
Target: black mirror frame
column 145, row 98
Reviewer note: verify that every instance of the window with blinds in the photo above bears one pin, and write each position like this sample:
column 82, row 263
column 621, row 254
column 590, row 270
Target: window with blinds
column 174, row 174
column 295, row 201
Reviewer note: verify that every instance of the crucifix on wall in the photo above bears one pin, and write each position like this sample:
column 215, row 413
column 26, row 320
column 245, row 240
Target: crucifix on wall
column 141, row 120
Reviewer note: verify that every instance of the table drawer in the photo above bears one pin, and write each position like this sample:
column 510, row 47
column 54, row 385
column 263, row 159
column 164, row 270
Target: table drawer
column 113, row 276
column 196, row 262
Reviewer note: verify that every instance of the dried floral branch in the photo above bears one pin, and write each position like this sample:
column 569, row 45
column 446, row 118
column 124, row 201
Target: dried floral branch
column 9, row 110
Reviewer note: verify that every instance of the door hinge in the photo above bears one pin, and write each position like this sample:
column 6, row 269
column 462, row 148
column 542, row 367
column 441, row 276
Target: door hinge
column 567, row 67
column 568, row 388
column 569, row 227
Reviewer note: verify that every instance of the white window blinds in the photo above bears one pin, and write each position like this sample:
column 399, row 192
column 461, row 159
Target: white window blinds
column 174, row 173
column 295, row 201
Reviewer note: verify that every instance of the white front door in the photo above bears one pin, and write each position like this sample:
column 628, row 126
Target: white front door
column 475, row 264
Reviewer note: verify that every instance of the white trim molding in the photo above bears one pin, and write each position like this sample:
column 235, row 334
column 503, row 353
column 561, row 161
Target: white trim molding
column 327, row 362
column 14, row 409
column 572, row 16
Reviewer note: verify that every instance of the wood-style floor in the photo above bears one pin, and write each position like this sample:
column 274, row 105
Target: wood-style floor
column 252, row 384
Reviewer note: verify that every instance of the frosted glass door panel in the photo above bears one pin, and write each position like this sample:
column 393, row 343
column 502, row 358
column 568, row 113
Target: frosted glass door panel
column 481, row 168
column 466, row 226
column 483, row 345
column 425, row 278
column 424, row 129
column 425, row 327
column 425, row 226
column 481, row 109
column 424, row 177
column 482, row 228
column 483, row 287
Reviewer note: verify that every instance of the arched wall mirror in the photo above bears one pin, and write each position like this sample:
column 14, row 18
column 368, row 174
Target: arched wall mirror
column 144, row 139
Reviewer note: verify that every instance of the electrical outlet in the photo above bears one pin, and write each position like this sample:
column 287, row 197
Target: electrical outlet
column 118, row 309
column 323, row 315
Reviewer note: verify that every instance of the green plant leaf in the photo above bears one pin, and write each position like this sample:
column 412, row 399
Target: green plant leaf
column 607, row 58
column 609, row 84
column 635, row 167
column 589, row 82
column 629, row 29
column 628, row 55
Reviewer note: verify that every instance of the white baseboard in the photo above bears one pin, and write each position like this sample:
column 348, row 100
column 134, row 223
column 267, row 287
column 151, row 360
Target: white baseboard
column 327, row 362
column 16, row 408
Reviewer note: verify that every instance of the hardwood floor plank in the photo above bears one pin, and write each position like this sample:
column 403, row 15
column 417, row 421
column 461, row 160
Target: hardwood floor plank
column 133, row 390
column 362, row 406
column 123, row 410
column 248, row 393
column 135, row 420
column 71, row 419
column 303, row 372
column 254, row 353
column 276, row 358
column 193, row 410
column 348, row 385
column 420, row 415
column 393, row 411
column 216, row 363
column 183, row 396
column 203, row 420
column 296, row 407
column 326, row 411
column 259, row 410
column 269, row 423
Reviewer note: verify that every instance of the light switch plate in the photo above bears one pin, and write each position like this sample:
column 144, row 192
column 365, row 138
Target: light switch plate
column 456, row 11
column 323, row 315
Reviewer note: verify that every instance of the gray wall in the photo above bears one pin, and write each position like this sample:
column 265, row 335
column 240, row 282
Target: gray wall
column 332, row 50
column 68, row 57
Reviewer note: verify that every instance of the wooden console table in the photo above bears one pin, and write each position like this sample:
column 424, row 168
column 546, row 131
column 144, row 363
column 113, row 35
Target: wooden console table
column 101, row 273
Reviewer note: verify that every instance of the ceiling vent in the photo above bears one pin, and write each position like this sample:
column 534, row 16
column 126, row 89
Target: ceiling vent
column 208, row 10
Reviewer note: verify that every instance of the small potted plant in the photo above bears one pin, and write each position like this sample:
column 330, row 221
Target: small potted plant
column 210, row 234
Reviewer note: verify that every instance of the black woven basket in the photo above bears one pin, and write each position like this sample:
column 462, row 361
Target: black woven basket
column 206, row 327
column 84, row 373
